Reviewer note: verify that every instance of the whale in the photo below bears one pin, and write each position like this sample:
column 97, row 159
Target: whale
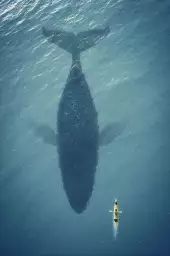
column 78, row 136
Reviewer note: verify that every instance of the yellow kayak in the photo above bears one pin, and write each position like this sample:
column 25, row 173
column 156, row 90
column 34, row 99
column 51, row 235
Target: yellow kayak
column 115, row 212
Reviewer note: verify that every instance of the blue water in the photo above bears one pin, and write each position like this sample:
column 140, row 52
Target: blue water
column 128, row 74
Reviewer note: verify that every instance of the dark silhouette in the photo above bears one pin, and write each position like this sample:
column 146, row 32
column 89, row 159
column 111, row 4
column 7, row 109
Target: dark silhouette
column 77, row 122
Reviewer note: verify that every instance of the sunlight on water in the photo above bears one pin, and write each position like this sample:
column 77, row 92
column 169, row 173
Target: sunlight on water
column 128, row 76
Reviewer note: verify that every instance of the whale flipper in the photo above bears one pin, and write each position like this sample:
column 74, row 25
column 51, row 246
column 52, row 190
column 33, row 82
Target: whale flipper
column 47, row 134
column 107, row 135
column 75, row 42
column 110, row 132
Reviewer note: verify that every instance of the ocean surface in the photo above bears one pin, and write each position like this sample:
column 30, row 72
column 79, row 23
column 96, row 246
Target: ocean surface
column 129, row 77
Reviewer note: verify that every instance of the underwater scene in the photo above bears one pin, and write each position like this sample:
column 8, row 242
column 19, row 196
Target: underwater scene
column 84, row 127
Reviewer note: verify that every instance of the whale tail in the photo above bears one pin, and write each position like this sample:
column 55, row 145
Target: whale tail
column 75, row 43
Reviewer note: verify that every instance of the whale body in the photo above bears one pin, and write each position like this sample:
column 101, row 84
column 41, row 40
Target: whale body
column 77, row 136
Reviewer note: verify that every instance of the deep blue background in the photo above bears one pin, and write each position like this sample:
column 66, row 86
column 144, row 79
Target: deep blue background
column 129, row 78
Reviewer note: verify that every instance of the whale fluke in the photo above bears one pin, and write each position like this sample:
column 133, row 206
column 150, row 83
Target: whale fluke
column 79, row 42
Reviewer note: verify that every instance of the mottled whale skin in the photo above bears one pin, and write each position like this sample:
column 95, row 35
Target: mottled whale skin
column 77, row 137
